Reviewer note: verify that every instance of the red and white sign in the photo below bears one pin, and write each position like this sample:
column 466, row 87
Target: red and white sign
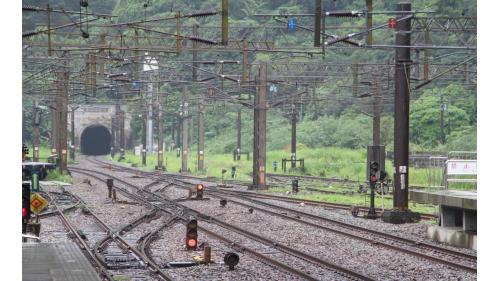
column 461, row 167
column 392, row 23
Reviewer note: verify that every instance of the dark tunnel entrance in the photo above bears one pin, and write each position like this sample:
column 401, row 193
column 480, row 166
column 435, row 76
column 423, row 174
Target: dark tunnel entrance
column 95, row 140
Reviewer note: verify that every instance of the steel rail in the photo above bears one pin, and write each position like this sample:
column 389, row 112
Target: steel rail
column 88, row 173
column 103, row 272
column 258, row 195
column 408, row 242
column 241, row 231
column 117, row 237
column 412, row 243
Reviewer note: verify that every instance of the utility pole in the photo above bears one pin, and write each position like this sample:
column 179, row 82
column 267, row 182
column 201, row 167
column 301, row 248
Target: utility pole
column 259, row 134
column 72, row 147
column 369, row 22
column 426, row 54
column 121, row 130
column 376, row 113
column 160, row 129
column 113, row 136
column 36, row 131
column 201, row 133
column 195, row 54
column 144, row 131
column 62, row 79
column 149, row 114
column 441, row 123
column 244, row 81
column 184, row 116
column 294, row 134
column 400, row 213
column 101, row 55
column 49, row 32
column 55, row 119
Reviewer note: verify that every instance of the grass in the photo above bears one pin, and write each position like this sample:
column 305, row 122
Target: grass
column 355, row 199
column 55, row 175
column 329, row 162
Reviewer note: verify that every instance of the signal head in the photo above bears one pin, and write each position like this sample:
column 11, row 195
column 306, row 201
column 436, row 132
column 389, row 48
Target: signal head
column 231, row 260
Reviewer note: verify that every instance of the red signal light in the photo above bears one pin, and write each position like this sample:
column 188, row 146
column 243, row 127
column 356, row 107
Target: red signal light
column 25, row 212
column 192, row 235
column 192, row 243
column 199, row 191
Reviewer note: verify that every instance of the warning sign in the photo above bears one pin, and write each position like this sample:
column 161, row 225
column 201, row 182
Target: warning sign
column 38, row 203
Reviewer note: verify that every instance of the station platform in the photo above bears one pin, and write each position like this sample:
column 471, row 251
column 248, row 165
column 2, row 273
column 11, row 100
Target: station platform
column 56, row 262
column 458, row 216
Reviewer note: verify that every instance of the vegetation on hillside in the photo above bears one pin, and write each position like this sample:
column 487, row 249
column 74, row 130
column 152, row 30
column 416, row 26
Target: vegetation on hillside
column 334, row 122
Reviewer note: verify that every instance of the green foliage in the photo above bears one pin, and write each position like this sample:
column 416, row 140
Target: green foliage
column 55, row 175
column 425, row 114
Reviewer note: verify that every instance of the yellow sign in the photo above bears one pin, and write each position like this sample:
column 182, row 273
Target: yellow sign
column 38, row 203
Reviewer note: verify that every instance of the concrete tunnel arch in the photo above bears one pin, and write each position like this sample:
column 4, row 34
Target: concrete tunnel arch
column 95, row 140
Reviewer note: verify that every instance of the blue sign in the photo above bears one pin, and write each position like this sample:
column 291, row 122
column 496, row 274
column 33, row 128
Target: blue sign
column 134, row 84
column 292, row 24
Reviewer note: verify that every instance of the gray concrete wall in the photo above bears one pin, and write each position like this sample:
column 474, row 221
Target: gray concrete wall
column 96, row 114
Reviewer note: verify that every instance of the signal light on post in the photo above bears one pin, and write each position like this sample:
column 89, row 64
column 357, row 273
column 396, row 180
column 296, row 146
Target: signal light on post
column 26, row 211
column 373, row 171
column 192, row 235
column 199, row 191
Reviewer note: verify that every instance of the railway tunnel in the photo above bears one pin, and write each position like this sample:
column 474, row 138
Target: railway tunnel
column 95, row 140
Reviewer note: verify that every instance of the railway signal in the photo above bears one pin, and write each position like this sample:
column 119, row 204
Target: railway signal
column 26, row 151
column 231, row 260
column 374, row 168
column 192, row 235
column 295, row 186
column 26, row 211
column 199, row 191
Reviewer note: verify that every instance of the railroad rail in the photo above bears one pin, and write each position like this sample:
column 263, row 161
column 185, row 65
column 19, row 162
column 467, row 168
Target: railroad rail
column 322, row 204
column 182, row 212
column 102, row 271
column 416, row 248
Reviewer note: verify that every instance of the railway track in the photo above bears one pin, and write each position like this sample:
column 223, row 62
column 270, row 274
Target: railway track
column 416, row 248
column 123, row 244
column 182, row 212
column 420, row 249
column 101, row 270
column 328, row 205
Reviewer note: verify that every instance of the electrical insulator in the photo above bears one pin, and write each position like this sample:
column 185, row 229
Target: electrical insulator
column 344, row 14
column 84, row 3
column 202, row 14
column 202, row 40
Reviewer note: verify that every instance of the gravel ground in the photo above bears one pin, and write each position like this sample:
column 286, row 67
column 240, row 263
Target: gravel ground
column 170, row 247
column 373, row 261
column 354, row 231
column 347, row 252
column 415, row 231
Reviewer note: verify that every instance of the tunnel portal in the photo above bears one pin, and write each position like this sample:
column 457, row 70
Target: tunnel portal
column 95, row 140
